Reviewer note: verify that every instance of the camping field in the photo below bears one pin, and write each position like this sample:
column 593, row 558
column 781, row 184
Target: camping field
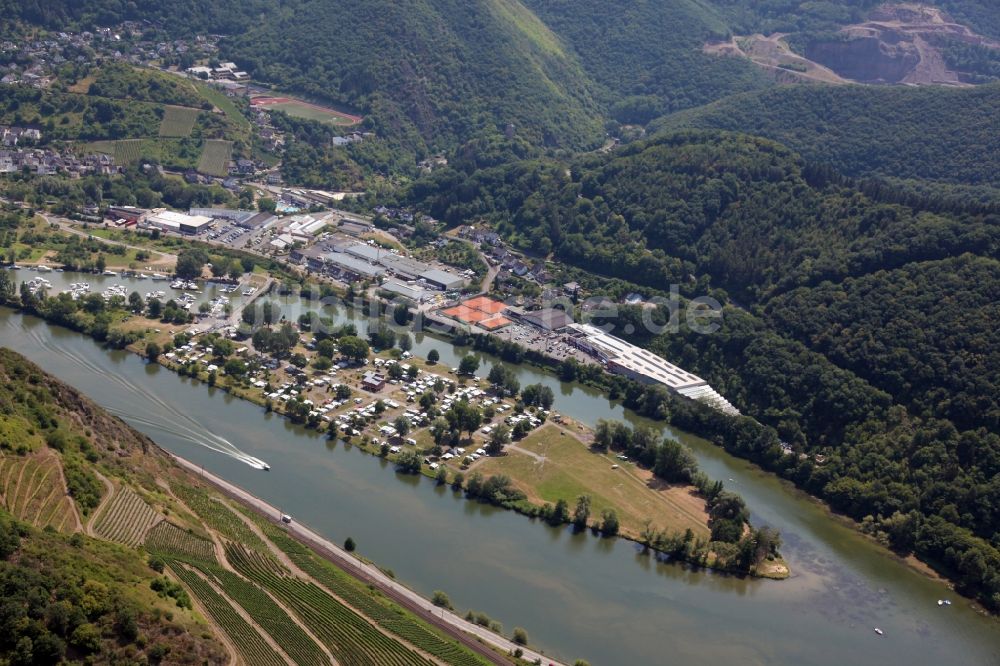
column 215, row 158
column 178, row 121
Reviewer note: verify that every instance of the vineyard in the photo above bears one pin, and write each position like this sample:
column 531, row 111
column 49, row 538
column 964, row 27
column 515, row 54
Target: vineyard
column 168, row 540
column 270, row 616
column 350, row 637
column 215, row 158
column 126, row 518
column 174, row 153
column 383, row 611
column 178, row 121
column 218, row 516
column 254, row 649
column 32, row 490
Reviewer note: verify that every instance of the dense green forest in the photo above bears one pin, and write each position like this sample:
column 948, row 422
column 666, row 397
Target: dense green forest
column 183, row 17
column 926, row 333
column 870, row 131
column 435, row 70
column 700, row 209
column 870, row 336
column 647, row 56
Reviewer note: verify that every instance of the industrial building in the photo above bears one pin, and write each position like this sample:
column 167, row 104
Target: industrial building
column 168, row 220
column 411, row 291
column 305, row 227
column 624, row 358
column 126, row 214
column 547, row 319
column 405, row 268
column 229, row 214
column 338, row 264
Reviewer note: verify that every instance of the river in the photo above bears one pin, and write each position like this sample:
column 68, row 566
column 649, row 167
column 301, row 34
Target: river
column 577, row 595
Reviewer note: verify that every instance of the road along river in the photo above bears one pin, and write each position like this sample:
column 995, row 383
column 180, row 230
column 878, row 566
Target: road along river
column 577, row 595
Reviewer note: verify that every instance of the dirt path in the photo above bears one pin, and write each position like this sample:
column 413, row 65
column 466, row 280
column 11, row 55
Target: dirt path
column 220, row 554
column 15, row 493
column 105, row 502
column 537, row 456
column 242, row 613
column 468, row 633
column 222, row 636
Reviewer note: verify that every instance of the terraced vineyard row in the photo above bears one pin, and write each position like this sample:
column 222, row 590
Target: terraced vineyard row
column 218, row 516
column 171, row 541
column 126, row 518
column 32, row 490
column 352, row 639
column 380, row 609
column 269, row 616
column 254, row 649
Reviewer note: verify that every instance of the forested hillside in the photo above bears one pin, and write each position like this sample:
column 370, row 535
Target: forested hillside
column 430, row 74
column 869, row 131
column 181, row 17
column 736, row 212
column 445, row 69
column 647, row 56
column 66, row 595
column 875, row 340
column 436, row 74
column 926, row 333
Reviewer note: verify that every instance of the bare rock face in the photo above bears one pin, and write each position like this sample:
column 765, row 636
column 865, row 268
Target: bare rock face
column 877, row 56
column 897, row 44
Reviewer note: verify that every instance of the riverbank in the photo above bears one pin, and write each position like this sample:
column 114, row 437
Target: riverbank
column 667, row 518
column 576, row 595
column 444, row 619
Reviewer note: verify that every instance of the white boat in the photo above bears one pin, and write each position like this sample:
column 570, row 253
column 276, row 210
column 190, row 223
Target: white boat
column 257, row 463
column 879, row 631
column 157, row 276
column 109, row 273
column 42, row 268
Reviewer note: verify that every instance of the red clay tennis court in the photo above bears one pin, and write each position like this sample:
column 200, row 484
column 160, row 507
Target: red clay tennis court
column 485, row 304
column 495, row 323
column 466, row 314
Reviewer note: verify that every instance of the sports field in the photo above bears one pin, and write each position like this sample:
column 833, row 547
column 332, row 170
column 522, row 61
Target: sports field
column 178, row 121
column 302, row 109
column 215, row 158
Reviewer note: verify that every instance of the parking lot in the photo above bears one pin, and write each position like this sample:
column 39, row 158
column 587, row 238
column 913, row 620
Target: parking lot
column 548, row 343
column 231, row 235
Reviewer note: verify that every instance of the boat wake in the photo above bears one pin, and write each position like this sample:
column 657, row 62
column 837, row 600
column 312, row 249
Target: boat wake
column 167, row 419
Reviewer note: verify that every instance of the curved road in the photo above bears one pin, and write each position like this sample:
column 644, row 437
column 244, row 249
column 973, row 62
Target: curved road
column 446, row 620
column 67, row 225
